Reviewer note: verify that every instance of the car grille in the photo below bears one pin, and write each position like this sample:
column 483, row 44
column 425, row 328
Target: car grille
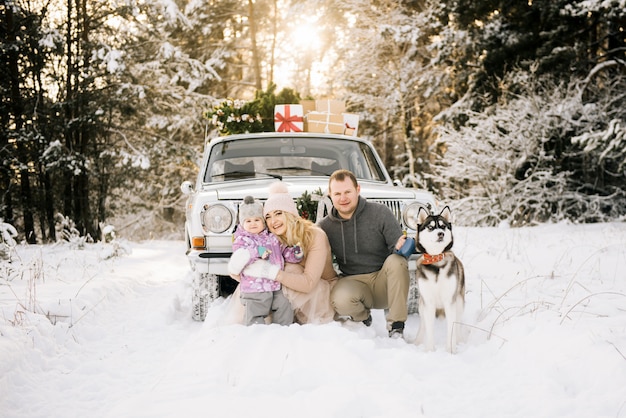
column 394, row 206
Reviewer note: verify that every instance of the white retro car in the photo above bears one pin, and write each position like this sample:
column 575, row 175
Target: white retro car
column 240, row 165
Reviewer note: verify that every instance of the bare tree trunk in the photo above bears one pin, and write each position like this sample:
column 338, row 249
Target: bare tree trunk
column 77, row 136
column 401, row 133
column 7, row 197
column 69, row 114
column 27, row 205
column 270, row 77
column 388, row 144
column 49, row 206
column 256, row 63
column 17, row 108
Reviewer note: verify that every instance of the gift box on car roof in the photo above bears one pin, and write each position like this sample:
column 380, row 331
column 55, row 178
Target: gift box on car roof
column 330, row 106
column 329, row 123
column 351, row 124
column 288, row 118
column 328, row 116
column 307, row 106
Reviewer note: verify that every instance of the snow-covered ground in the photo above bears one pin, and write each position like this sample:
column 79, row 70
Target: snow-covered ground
column 86, row 335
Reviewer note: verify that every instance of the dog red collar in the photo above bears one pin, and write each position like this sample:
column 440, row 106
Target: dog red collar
column 431, row 259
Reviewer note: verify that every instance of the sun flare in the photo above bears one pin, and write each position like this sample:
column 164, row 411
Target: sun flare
column 298, row 63
column 306, row 37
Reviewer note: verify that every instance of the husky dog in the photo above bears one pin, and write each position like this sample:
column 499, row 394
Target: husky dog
column 440, row 278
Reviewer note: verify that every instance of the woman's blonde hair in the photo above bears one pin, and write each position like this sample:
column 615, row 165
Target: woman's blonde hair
column 299, row 230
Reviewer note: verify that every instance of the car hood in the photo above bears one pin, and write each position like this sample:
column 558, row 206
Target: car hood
column 236, row 190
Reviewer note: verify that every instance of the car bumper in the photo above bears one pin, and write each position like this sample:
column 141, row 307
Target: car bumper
column 212, row 262
column 216, row 262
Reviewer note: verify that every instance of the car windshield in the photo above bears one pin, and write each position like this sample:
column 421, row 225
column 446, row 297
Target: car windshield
column 290, row 156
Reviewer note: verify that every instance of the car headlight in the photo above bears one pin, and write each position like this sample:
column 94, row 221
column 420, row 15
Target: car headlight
column 409, row 216
column 216, row 218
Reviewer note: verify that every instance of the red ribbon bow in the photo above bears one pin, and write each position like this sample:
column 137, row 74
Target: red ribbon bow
column 287, row 121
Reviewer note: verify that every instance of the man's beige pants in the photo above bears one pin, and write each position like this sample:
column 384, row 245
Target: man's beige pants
column 387, row 288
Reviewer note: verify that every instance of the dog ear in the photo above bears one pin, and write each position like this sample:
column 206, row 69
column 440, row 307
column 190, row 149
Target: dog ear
column 446, row 214
column 421, row 216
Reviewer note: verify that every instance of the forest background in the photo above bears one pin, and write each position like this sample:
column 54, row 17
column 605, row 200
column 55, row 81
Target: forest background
column 510, row 111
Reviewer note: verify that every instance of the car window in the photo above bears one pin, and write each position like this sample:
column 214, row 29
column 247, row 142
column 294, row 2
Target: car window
column 290, row 156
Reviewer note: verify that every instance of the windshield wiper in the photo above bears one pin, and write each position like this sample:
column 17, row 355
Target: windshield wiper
column 276, row 176
column 291, row 167
column 241, row 174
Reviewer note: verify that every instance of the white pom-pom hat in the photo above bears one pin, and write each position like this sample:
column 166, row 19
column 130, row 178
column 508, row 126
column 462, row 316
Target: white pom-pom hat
column 279, row 199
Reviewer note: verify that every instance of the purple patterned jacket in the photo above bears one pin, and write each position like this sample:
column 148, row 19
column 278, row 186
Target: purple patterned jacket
column 263, row 245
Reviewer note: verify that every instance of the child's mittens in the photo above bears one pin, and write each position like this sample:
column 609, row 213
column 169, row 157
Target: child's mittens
column 262, row 269
column 238, row 261
column 297, row 251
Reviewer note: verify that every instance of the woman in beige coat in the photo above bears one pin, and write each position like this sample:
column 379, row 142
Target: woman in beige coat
column 307, row 284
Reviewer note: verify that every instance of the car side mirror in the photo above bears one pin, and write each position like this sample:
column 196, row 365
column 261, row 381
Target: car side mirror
column 186, row 187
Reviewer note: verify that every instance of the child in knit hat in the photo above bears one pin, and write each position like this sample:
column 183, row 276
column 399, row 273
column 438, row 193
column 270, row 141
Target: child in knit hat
column 260, row 296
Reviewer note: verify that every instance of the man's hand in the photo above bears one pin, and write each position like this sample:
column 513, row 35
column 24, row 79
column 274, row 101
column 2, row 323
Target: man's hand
column 400, row 242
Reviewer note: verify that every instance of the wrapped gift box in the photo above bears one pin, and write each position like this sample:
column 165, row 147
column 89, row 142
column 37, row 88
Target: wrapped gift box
column 307, row 106
column 330, row 106
column 288, row 118
column 350, row 123
column 329, row 123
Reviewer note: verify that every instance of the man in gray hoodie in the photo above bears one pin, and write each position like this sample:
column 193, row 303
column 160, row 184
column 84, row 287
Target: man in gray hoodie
column 363, row 236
